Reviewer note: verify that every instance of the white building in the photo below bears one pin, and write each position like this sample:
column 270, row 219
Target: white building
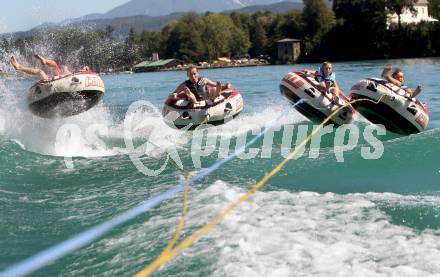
column 408, row 17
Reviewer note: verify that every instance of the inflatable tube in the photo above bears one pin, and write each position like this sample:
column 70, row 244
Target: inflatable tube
column 396, row 111
column 181, row 113
column 318, row 104
column 66, row 96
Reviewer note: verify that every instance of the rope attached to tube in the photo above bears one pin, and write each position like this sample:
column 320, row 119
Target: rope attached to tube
column 162, row 259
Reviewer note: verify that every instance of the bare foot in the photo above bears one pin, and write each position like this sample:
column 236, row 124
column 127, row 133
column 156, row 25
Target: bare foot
column 14, row 63
column 218, row 88
column 417, row 91
column 42, row 60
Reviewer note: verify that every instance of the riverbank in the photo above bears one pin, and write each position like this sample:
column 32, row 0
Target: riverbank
column 160, row 65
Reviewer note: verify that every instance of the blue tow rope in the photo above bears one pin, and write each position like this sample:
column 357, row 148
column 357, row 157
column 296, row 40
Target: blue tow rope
column 55, row 252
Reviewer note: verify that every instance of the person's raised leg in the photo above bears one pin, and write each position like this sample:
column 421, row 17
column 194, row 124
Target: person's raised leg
column 191, row 96
column 215, row 92
column 48, row 62
column 28, row 70
column 218, row 88
column 56, row 69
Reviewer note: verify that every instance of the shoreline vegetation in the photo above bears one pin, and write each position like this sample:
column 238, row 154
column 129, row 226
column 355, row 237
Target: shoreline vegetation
column 215, row 65
column 347, row 31
column 23, row 76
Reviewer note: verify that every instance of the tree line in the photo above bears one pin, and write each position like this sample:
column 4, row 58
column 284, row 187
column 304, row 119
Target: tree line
column 349, row 30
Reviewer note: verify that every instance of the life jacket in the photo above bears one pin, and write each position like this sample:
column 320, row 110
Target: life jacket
column 328, row 80
column 199, row 89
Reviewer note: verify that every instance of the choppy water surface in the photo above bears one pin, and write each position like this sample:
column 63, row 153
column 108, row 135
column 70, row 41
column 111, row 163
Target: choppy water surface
column 317, row 216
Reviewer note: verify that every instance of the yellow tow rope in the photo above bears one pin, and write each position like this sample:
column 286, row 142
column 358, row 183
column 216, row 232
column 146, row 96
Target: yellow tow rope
column 169, row 252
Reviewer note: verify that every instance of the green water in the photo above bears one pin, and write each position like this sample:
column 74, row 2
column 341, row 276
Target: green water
column 316, row 216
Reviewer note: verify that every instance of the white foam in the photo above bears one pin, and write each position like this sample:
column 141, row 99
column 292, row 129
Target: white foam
column 40, row 135
column 246, row 121
column 92, row 129
column 291, row 234
column 2, row 125
column 278, row 233
column 150, row 125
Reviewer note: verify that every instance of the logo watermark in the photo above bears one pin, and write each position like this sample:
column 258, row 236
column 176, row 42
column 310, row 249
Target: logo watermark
column 2, row 124
column 207, row 140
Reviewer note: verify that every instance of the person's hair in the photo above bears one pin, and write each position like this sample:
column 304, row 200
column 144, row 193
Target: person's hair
column 190, row 67
column 396, row 71
column 324, row 64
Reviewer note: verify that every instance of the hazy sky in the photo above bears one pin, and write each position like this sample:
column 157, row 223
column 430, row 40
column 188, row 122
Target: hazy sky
column 22, row 15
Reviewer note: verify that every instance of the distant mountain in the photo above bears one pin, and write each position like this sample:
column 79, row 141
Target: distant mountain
column 165, row 7
column 122, row 25
column 275, row 8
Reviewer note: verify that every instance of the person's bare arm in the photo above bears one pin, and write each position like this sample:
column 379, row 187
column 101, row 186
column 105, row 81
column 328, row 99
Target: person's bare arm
column 310, row 72
column 386, row 70
column 322, row 85
column 180, row 88
column 386, row 74
column 390, row 79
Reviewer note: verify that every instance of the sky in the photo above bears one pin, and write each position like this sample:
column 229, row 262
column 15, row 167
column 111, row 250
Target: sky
column 22, row 15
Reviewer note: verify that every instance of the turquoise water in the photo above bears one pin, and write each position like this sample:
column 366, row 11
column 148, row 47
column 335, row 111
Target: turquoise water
column 317, row 216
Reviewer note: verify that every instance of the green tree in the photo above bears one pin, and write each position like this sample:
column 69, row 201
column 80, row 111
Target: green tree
column 398, row 7
column 109, row 31
column 318, row 21
column 241, row 20
column 149, row 43
column 258, row 37
column 131, row 39
column 131, row 50
column 164, row 37
column 361, row 15
column 184, row 40
column 240, row 43
column 435, row 39
column 291, row 25
column 361, row 33
column 318, row 18
column 218, row 35
column 434, row 8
